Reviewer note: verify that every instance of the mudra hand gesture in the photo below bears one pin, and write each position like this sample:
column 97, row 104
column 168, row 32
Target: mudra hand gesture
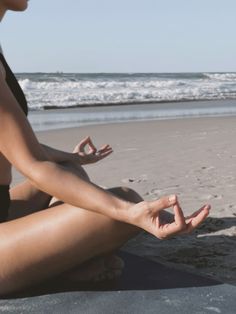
column 88, row 153
column 149, row 216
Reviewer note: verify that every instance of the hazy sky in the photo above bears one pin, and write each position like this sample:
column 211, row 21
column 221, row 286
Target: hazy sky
column 121, row 36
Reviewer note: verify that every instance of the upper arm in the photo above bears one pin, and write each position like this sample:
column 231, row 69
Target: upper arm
column 18, row 142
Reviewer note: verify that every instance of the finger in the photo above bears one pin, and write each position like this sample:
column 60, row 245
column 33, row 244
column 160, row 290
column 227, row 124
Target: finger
column 101, row 156
column 76, row 149
column 179, row 216
column 189, row 218
column 163, row 202
column 195, row 213
column 96, row 157
column 178, row 225
column 198, row 219
column 92, row 148
column 104, row 148
column 101, row 152
column 169, row 230
column 83, row 143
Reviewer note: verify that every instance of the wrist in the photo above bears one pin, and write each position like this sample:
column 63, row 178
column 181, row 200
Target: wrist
column 122, row 211
column 75, row 157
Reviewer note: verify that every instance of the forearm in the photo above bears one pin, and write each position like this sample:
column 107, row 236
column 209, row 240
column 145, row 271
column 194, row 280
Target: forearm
column 55, row 180
column 69, row 160
column 57, row 155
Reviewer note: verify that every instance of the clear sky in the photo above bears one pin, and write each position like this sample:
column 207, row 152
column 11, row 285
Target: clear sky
column 121, row 36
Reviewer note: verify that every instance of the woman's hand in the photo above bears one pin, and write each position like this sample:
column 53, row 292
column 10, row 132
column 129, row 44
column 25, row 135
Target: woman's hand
column 88, row 153
column 148, row 216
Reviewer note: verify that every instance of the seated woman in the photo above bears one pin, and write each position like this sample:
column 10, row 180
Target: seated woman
column 62, row 235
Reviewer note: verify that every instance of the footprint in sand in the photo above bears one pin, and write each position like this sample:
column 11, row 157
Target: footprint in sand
column 128, row 180
column 154, row 192
column 230, row 208
column 210, row 197
column 172, row 187
column 204, row 168
column 142, row 178
column 164, row 191
column 207, row 168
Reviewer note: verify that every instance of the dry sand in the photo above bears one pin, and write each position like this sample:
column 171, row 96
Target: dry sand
column 193, row 158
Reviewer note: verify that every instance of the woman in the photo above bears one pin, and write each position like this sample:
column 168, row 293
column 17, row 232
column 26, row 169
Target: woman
column 65, row 237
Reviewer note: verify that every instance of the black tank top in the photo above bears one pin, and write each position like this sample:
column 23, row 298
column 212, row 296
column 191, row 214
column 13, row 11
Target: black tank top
column 4, row 202
column 14, row 86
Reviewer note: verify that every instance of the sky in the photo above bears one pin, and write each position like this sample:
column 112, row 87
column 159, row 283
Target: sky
column 121, row 36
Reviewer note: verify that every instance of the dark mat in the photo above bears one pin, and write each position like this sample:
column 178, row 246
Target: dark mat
column 144, row 287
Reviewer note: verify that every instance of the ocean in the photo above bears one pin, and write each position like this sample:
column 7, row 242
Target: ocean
column 113, row 97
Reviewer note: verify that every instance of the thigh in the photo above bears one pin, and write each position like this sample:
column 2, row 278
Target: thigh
column 49, row 242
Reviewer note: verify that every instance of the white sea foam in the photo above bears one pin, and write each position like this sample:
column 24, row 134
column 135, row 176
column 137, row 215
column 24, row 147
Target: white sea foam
column 222, row 76
column 68, row 90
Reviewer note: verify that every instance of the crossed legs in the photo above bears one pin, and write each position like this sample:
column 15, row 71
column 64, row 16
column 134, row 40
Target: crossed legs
column 52, row 241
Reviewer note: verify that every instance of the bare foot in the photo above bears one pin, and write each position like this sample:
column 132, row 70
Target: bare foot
column 97, row 269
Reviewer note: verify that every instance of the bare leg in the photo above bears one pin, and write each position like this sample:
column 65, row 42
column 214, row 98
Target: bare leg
column 27, row 199
column 108, row 266
column 52, row 241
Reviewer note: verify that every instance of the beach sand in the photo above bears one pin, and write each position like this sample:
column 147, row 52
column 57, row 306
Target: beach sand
column 193, row 158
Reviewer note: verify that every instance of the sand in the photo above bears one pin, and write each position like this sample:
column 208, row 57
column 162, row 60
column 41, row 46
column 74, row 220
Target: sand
column 193, row 158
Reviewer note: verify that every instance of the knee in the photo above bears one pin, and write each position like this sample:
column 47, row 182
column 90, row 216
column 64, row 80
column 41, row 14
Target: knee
column 77, row 169
column 131, row 195
column 127, row 194
column 83, row 174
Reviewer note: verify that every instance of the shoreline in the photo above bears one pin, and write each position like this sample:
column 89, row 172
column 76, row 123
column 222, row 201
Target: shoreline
column 135, row 103
column 77, row 117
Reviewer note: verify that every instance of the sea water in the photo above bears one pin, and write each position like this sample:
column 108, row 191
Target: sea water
column 112, row 97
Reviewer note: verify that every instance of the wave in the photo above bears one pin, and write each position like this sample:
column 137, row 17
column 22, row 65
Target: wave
column 44, row 91
column 221, row 76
